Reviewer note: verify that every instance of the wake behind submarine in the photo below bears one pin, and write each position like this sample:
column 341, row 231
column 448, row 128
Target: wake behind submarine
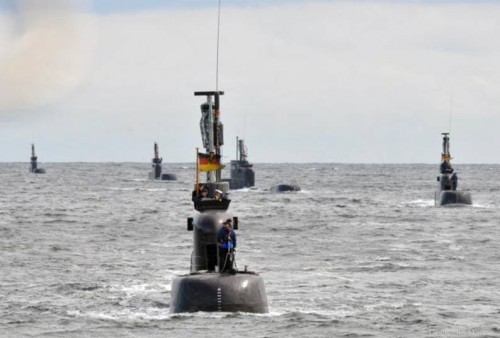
column 34, row 164
column 214, row 282
column 156, row 173
column 448, row 180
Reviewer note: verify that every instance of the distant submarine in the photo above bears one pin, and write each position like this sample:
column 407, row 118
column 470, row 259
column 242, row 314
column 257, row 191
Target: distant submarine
column 242, row 173
column 156, row 173
column 285, row 188
column 33, row 163
column 206, row 288
column 447, row 192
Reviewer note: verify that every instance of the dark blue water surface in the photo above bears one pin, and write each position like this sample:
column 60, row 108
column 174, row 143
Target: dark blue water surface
column 90, row 250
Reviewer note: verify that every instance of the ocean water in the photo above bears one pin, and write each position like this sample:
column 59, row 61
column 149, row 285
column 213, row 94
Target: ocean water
column 90, row 250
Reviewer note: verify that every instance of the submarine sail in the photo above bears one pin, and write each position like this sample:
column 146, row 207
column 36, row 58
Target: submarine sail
column 156, row 173
column 448, row 192
column 242, row 173
column 214, row 282
column 34, row 164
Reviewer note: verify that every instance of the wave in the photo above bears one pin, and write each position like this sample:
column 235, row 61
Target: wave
column 420, row 203
column 484, row 206
column 125, row 315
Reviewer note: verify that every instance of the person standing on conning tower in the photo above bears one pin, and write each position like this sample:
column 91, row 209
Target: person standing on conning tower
column 226, row 240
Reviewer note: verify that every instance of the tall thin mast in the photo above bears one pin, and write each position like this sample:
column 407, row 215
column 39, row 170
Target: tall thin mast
column 211, row 129
column 211, row 147
column 237, row 148
column 217, row 57
column 451, row 113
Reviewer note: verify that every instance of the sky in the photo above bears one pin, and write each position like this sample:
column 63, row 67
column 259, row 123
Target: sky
column 304, row 81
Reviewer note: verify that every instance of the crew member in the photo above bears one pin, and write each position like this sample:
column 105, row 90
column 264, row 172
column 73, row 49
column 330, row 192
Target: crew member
column 226, row 240
column 204, row 193
column 446, row 167
column 219, row 195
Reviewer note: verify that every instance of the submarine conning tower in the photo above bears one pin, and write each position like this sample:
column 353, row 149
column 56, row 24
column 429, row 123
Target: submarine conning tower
column 213, row 285
column 447, row 192
column 242, row 173
column 156, row 162
column 33, row 162
column 156, row 173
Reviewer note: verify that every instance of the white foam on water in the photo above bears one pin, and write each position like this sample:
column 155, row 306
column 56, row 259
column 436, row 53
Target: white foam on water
column 420, row 203
column 121, row 189
column 125, row 315
column 483, row 206
column 142, row 288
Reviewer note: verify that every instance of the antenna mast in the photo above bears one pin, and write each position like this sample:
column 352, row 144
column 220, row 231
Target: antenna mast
column 451, row 113
column 217, row 58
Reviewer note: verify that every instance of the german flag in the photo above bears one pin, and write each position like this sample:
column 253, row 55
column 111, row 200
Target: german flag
column 209, row 162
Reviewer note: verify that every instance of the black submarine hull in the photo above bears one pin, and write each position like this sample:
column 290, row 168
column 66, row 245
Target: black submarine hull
column 285, row 188
column 454, row 197
column 163, row 177
column 448, row 194
column 168, row 177
column 219, row 292
column 156, row 173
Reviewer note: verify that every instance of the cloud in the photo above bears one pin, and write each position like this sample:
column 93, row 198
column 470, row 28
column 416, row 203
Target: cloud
column 330, row 82
column 45, row 57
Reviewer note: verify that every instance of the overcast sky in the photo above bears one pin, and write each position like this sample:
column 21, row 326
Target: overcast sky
column 305, row 81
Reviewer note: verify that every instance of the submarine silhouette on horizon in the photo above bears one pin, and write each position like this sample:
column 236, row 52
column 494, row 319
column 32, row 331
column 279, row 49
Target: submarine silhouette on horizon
column 447, row 192
column 208, row 287
column 241, row 171
column 285, row 188
column 33, row 162
column 156, row 173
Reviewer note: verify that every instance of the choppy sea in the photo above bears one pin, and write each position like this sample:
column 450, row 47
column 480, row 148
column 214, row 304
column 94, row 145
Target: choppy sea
column 90, row 250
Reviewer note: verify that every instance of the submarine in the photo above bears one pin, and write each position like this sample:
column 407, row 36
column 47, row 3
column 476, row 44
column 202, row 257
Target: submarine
column 214, row 283
column 242, row 173
column 285, row 188
column 447, row 192
column 34, row 164
column 156, row 173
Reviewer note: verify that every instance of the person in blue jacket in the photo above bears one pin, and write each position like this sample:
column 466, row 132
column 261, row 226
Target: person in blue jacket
column 446, row 167
column 226, row 241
